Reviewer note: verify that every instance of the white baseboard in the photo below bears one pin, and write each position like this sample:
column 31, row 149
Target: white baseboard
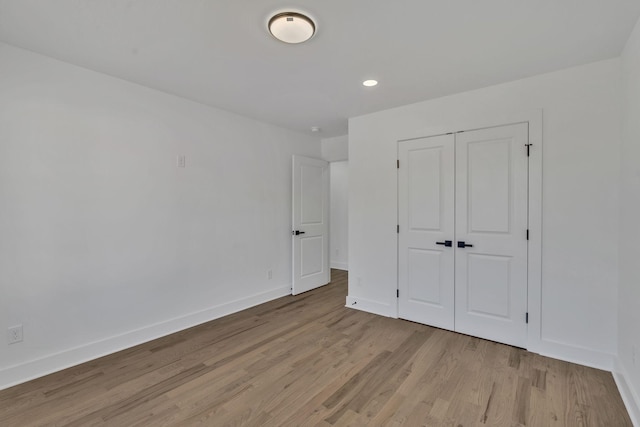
column 629, row 395
column 369, row 306
column 574, row 354
column 339, row 265
column 32, row 369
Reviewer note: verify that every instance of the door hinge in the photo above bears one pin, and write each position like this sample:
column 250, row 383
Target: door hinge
column 527, row 234
column 526, row 317
column 397, row 293
column 398, row 164
column 528, row 149
column 398, row 229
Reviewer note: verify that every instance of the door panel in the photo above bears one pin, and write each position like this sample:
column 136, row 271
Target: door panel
column 423, row 276
column 425, row 188
column 311, row 181
column 311, row 220
column 488, row 285
column 488, row 183
column 426, row 216
column 491, row 215
column 312, row 258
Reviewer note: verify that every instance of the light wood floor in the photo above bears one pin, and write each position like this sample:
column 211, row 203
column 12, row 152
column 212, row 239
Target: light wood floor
column 307, row 360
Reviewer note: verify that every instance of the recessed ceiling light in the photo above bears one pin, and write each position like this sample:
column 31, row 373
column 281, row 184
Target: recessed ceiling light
column 315, row 129
column 291, row 27
column 370, row 83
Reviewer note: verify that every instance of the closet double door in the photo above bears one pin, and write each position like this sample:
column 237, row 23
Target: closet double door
column 462, row 244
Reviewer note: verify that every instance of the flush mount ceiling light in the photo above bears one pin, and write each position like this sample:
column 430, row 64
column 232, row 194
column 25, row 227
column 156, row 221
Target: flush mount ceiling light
column 369, row 83
column 291, row 27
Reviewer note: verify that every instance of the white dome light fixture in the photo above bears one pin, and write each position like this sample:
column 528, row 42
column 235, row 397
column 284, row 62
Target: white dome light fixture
column 291, row 27
column 369, row 83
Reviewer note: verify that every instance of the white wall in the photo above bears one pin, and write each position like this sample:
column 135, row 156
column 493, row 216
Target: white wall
column 339, row 227
column 105, row 242
column 335, row 149
column 581, row 133
column 629, row 298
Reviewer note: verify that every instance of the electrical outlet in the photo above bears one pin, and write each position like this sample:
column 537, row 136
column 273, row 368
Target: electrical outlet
column 337, row 252
column 14, row 334
column 270, row 274
column 182, row 161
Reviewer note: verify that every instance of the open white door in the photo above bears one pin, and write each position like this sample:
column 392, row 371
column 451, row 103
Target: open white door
column 310, row 224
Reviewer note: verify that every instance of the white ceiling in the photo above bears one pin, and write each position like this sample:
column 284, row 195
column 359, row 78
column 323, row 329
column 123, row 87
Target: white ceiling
column 219, row 52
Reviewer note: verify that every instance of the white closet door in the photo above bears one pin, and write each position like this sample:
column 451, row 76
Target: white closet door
column 426, row 221
column 491, row 224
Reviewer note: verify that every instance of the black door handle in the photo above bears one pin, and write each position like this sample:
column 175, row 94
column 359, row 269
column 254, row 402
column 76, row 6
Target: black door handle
column 447, row 243
column 298, row 232
column 462, row 244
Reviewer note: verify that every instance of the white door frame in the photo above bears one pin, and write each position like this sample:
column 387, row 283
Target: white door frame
column 534, row 255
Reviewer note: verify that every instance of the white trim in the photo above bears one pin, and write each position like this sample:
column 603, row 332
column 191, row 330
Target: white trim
column 340, row 265
column 369, row 306
column 534, row 262
column 32, row 369
column 629, row 395
column 575, row 354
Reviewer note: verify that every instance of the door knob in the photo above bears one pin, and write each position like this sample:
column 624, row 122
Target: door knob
column 462, row 244
column 447, row 243
column 298, row 232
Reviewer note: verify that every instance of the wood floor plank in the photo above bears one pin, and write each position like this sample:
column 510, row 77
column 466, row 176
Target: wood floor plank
column 306, row 360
